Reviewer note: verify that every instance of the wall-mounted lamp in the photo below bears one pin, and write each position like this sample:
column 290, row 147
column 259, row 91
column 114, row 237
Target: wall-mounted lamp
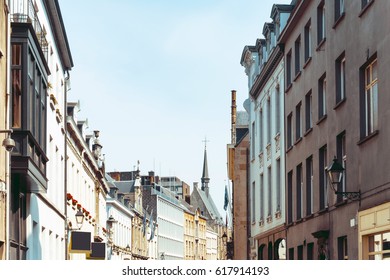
column 8, row 143
column 224, row 238
column 335, row 173
column 79, row 221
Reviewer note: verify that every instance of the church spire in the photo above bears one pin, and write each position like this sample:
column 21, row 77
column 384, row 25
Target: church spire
column 205, row 175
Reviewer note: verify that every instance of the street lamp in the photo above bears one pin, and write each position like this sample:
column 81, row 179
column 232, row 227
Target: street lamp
column 111, row 220
column 79, row 220
column 335, row 172
column 224, row 238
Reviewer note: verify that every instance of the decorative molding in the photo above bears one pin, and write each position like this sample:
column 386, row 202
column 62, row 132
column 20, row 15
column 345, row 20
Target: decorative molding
column 268, row 151
column 277, row 142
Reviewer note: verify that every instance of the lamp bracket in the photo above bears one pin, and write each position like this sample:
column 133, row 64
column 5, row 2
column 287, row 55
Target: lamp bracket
column 350, row 195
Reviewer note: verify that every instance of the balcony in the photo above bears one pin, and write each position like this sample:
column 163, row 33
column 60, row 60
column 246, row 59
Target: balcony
column 24, row 11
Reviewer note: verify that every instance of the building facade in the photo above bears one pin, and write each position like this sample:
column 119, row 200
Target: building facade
column 265, row 69
column 86, row 186
column 335, row 108
column 169, row 214
column 4, row 125
column 40, row 61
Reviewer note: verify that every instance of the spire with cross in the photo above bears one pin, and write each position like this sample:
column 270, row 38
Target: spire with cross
column 205, row 175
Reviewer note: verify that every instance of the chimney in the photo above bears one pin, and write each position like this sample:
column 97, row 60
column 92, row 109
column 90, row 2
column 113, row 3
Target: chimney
column 151, row 177
column 234, row 117
column 115, row 175
column 97, row 147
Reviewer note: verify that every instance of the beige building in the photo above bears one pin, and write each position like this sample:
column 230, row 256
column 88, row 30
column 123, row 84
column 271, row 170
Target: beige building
column 4, row 155
column 194, row 234
column 87, row 187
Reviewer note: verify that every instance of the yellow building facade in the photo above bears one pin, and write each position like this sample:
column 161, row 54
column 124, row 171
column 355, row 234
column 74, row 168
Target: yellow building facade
column 194, row 235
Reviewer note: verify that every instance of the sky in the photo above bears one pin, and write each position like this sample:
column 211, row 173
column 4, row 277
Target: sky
column 155, row 78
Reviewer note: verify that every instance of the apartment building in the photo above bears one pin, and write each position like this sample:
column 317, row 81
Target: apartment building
column 336, row 70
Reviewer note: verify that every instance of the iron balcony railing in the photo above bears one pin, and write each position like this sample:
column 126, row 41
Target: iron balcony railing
column 24, row 11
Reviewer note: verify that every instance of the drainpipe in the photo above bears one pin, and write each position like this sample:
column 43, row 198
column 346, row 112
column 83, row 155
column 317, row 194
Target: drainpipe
column 8, row 125
column 66, row 89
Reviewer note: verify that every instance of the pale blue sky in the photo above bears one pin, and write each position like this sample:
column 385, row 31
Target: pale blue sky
column 155, row 78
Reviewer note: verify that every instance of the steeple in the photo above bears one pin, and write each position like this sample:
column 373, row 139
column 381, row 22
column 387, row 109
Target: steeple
column 205, row 175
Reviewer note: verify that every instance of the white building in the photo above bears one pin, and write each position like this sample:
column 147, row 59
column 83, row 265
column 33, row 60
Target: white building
column 41, row 60
column 169, row 215
column 264, row 67
column 119, row 231
column 211, row 244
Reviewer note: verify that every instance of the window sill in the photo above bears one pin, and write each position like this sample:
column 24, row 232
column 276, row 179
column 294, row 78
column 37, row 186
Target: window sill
column 307, row 62
column 309, row 216
column 297, row 141
column 322, row 119
column 338, row 104
column 308, row 131
column 323, row 210
column 320, row 44
column 297, row 75
column 289, row 149
column 365, row 8
column 338, row 20
column 288, row 88
column 368, row 137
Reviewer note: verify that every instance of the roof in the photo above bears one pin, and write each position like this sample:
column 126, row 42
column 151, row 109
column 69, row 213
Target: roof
column 210, row 205
column 125, row 186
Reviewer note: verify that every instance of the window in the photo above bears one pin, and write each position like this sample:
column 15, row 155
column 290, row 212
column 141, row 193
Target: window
column 253, row 202
column 269, row 120
column 321, row 23
column 379, row 246
column 369, row 99
column 289, row 197
column 339, row 9
column 278, row 185
column 262, row 198
column 278, row 113
column 342, row 158
column 365, row 3
column 309, row 186
column 298, row 56
column 253, row 140
column 300, row 252
column 289, row 131
column 322, row 97
column 298, row 122
column 299, row 192
column 261, row 130
column 309, row 110
column 310, row 251
column 269, row 192
column 323, row 162
column 291, row 253
column 340, row 78
column 16, row 73
column 308, row 41
column 288, row 70
column 342, row 248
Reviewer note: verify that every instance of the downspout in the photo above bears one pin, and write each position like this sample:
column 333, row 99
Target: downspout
column 66, row 89
column 8, row 125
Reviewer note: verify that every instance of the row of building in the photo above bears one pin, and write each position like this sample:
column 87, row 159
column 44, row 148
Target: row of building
column 56, row 199
column 308, row 155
